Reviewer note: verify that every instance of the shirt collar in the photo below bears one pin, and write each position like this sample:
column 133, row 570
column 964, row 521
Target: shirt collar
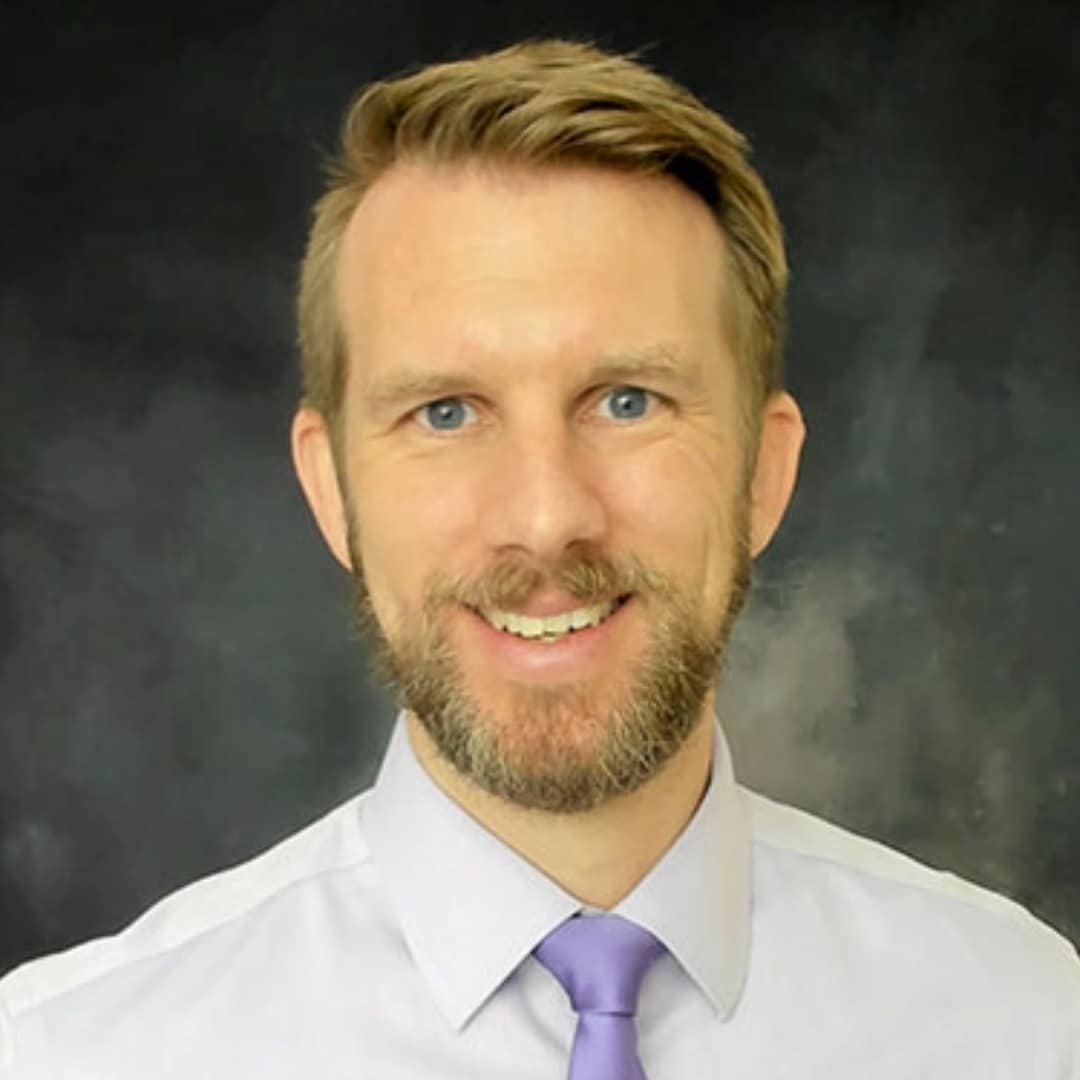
column 471, row 908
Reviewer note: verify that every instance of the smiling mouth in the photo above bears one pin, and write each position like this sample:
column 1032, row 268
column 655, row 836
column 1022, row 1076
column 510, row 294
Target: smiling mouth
column 550, row 628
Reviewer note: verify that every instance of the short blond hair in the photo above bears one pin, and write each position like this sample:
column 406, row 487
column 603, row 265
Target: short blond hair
column 541, row 103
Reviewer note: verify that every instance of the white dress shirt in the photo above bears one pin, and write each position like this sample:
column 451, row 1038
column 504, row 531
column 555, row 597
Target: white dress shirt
column 391, row 940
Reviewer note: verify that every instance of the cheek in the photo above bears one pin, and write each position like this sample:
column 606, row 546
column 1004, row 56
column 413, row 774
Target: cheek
column 676, row 510
column 410, row 525
column 646, row 500
column 676, row 491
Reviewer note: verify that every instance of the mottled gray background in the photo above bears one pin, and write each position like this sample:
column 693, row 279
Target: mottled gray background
column 177, row 684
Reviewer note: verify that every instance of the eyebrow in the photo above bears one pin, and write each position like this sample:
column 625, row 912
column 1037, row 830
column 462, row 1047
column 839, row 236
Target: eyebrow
column 655, row 362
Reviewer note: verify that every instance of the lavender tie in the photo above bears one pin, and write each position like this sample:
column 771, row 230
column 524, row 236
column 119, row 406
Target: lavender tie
column 600, row 961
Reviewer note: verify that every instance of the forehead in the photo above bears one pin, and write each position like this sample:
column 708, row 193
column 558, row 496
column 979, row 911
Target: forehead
column 451, row 263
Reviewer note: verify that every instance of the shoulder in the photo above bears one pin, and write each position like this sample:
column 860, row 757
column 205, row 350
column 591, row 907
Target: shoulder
column 939, row 937
column 232, row 897
column 794, row 834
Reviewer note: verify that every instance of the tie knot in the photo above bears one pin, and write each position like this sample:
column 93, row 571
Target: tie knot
column 600, row 961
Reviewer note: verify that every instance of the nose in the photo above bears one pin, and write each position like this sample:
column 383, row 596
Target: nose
column 547, row 496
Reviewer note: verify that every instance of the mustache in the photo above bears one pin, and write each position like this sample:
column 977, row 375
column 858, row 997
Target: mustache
column 588, row 578
column 510, row 585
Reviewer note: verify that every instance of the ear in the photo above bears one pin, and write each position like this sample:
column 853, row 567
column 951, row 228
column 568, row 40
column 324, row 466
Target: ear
column 313, row 459
column 782, row 435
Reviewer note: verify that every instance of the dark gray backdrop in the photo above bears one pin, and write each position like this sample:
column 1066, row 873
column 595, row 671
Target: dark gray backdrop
column 178, row 688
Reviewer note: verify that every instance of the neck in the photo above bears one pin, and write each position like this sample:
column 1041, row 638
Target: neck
column 600, row 855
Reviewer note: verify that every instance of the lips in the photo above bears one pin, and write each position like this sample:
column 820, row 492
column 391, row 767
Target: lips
column 569, row 655
column 547, row 627
column 616, row 604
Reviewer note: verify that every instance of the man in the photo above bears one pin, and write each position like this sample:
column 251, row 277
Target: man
column 555, row 872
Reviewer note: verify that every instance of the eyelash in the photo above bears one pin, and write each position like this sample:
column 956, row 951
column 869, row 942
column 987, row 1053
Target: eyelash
column 419, row 411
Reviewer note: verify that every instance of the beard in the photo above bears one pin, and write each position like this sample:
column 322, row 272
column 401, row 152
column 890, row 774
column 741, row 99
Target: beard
column 560, row 748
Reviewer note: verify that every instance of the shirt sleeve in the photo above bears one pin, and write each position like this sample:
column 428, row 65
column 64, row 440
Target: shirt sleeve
column 1074, row 1024
column 7, row 1049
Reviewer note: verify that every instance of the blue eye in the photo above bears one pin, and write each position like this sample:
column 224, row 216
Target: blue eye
column 446, row 414
column 628, row 402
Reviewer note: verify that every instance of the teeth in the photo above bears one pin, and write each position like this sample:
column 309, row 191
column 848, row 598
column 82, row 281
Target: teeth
column 529, row 626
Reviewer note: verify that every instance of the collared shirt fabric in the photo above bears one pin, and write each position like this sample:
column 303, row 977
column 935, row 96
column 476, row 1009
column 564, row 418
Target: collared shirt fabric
column 392, row 940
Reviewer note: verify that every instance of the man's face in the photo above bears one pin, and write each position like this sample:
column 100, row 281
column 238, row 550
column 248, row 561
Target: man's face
column 541, row 417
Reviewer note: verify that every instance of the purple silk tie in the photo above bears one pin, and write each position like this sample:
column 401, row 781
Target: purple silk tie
column 600, row 961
